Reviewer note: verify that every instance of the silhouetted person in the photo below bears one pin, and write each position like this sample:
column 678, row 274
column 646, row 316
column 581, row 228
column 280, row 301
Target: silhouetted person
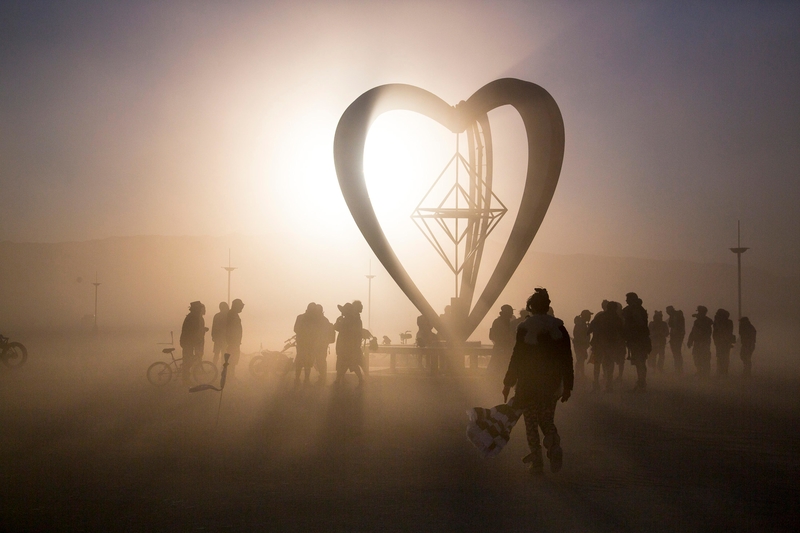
column 622, row 351
column 659, row 331
column 448, row 320
column 348, row 344
column 747, row 338
column 303, row 329
column 541, row 371
column 425, row 334
column 607, row 342
column 503, row 339
column 218, row 330
column 723, row 340
column 233, row 335
column 700, row 341
column 425, row 338
column 323, row 335
column 677, row 332
column 523, row 314
column 581, row 342
column 637, row 337
column 358, row 307
column 192, row 334
column 201, row 346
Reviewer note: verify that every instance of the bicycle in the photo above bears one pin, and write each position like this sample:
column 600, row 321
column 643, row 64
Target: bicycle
column 160, row 373
column 272, row 362
column 13, row 354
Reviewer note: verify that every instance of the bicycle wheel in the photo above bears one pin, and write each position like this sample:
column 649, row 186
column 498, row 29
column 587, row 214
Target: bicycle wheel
column 258, row 367
column 159, row 374
column 14, row 355
column 204, row 372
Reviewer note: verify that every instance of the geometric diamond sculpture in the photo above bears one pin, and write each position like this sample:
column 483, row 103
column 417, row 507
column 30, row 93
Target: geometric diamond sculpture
column 457, row 214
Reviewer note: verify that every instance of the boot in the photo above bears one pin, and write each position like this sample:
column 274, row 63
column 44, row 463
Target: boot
column 554, row 451
column 536, row 462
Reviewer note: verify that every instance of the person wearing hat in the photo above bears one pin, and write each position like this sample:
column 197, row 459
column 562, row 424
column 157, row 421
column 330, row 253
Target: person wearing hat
column 700, row 341
column 677, row 332
column 502, row 337
column 541, row 372
column 192, row 334
column 233, row 335
column 581, row 342
column 723, row 341
column 659, row 331
column 348, row 344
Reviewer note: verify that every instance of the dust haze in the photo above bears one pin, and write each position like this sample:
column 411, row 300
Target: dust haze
column 142, row 145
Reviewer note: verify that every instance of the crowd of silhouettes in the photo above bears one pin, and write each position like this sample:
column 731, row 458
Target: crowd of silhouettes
column 605, row 340
column 617, row 334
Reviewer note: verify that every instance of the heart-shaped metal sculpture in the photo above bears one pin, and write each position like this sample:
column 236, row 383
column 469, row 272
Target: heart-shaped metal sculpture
column 545, row 131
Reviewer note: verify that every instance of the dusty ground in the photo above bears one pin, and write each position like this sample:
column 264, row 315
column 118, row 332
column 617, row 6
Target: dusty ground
column 88, row 444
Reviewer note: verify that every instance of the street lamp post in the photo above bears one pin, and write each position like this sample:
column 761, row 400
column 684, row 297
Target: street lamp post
column 230, row 269
column 369, row 297
column 739, row 251
column 96, row 284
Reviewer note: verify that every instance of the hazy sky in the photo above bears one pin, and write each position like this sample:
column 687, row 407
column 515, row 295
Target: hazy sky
column 202, row 118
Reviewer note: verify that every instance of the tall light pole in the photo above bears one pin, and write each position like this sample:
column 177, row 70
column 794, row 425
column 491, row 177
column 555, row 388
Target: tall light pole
column 96, row 284
column 230, row 269
column 739, row 251
column 369, row 297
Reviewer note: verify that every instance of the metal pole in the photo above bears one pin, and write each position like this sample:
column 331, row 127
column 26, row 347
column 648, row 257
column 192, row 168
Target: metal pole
column 96, row 284
column 230, row 269
column 369, row 297
column 739, row 250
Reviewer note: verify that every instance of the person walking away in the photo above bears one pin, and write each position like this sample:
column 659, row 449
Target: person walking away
column 677, row 332
column 747, row 340
column 659, row 331
column 700, row 341
column 348, row 344
column 723, row 341
column 637, row 337
column 233, row 336
column 218, row 331
column 541, row 372
column 303, row 329
column 503, row 338
column 191, row 335
column 581, row 342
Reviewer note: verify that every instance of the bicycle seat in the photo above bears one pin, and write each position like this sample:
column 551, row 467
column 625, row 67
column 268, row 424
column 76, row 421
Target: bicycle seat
column 168, row 350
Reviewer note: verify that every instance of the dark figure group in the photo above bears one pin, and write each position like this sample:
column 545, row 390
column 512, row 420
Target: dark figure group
column 313, row 333
column 226, row 333
column 616, row 335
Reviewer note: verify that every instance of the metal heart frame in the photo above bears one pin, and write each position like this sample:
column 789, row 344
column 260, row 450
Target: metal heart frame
column 544, row 127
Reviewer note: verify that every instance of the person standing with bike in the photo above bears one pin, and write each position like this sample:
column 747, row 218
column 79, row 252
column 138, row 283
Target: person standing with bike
column 233, row 335
column 192, row 336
